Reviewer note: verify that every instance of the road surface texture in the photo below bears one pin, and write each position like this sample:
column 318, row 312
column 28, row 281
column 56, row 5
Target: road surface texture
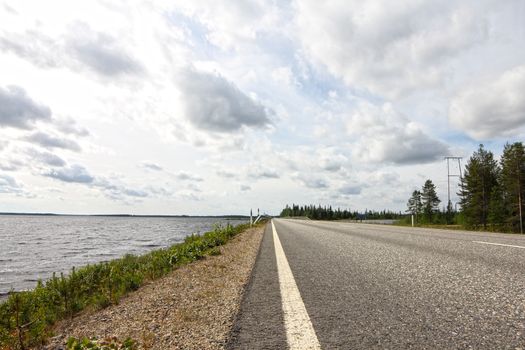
column 376, row 286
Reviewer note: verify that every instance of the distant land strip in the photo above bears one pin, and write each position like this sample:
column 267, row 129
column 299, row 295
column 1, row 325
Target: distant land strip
column 132, row 215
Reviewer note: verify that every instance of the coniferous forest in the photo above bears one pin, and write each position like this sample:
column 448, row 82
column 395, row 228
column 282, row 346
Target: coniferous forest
column 327, row 213
column 492, row 191
column 491, row 197
column 491, row 194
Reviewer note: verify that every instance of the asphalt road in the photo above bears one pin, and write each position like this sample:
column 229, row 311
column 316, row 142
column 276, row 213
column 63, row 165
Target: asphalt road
column 376, row 286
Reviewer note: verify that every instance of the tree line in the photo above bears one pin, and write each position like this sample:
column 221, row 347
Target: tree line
column 424, row 204
column 327, row 213
column 491, row 193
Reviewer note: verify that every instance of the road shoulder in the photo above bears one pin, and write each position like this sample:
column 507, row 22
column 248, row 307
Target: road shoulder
column 194, row 307
column 260, row 321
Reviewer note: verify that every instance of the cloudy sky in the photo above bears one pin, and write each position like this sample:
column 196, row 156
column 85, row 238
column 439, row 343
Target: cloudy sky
column 216, row 107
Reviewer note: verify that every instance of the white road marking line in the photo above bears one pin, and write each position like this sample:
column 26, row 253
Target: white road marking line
column 500, row 244
column 300, row 333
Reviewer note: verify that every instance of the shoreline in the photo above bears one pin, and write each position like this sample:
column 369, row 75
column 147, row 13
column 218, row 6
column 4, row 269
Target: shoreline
column 32, row 314
column 37, row 246
column 233, row 217
column 193, row 307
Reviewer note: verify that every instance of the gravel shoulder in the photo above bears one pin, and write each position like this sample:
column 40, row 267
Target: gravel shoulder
column 194, row 307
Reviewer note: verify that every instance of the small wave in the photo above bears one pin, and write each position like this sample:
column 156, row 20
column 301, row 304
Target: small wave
column 152, row 245
column 72, row 253
column 5, row 294
column 104, row 254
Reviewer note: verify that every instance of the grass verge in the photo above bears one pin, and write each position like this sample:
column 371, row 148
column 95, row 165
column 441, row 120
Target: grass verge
column 26, row 317
column 457, row 227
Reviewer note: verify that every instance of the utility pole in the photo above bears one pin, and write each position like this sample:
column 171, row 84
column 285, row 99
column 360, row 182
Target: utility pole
column 452, row 175
column 519, row 198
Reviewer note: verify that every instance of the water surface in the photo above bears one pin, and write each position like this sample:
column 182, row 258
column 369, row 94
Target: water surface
column 33, row 247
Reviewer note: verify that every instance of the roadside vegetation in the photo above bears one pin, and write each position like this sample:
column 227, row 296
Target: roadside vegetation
column 26, row 318
column 424, row 206
column 491, row 194
column 491, row 198
column 100, row 344
column 327, row 213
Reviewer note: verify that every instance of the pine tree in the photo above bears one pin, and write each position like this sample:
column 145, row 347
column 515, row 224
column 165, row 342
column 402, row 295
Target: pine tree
column 512, row 183
column 477, row 187
column 449, row 213
column 414, row 204
column 498, row 208
column 429, row 199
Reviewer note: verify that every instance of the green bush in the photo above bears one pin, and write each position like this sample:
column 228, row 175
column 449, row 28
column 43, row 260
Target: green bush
column 26, row 317
column 100, row 344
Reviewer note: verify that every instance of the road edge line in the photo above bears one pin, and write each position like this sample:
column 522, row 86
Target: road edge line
column 500, row 244
column 300, row 333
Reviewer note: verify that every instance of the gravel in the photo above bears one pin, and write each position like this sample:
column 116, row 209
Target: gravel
column 194, row 307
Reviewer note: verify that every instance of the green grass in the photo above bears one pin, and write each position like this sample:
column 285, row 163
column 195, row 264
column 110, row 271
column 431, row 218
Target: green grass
column 100, row 344
column 26, row 317
column 458, row 227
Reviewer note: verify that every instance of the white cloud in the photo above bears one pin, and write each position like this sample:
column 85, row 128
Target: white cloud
column 214, row 104
column 69, row 126
column 72, row 174
column 101, row 52
column 284, row 75
column 384, row 135
column 259, row 172
column 9, row 185
column 312, row 181
column 53, row 141
column 331, row 160
column 151, row 166
column 189, row 195
column 117, row 191
column 265, row 112
column 231, row 23
column 185, row 176
column 389, row 48
column 350, row 189
column 11, row 164
column 18, row 110
column 226, row 174
column 33, row 46
column 492, row 108
column 111, row 188
column 47, row 158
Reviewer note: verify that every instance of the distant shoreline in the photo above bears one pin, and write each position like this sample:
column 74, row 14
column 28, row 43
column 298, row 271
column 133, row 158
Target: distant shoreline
column 129, row 215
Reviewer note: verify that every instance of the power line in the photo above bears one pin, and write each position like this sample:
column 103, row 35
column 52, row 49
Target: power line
column 452, row 175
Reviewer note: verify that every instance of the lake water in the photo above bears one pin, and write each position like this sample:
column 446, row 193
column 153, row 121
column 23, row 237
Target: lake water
column 33, row 247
